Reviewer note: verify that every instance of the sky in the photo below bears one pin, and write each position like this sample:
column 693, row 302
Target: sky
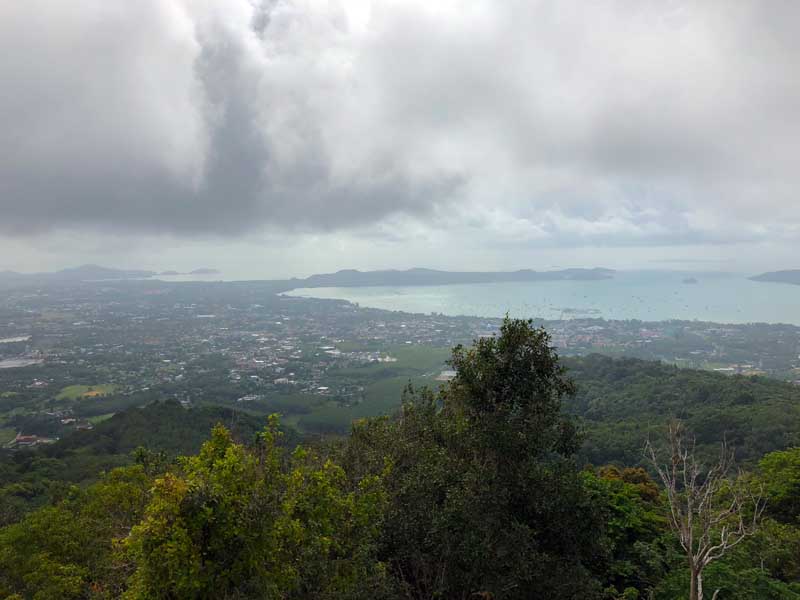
column 275, row 138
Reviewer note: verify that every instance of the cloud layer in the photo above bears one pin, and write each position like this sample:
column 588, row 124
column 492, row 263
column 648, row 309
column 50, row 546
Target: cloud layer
column 540, row 123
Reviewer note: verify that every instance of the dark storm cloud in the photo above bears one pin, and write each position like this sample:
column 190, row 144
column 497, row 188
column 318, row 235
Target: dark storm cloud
column 549, row 123
column 90, row 137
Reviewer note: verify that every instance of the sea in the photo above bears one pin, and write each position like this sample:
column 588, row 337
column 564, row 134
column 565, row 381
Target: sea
column 644, row 295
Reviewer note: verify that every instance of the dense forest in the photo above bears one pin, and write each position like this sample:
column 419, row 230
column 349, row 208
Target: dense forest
column 524, row 477
column 618, row 402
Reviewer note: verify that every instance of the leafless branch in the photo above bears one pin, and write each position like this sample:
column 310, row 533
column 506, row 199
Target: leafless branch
column 710, row 511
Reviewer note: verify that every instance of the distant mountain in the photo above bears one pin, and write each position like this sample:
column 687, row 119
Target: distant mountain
column 345, row 278
column 204, row 271
column 94, row 272
column 353, row 278
column 11, row 276
column 82, row 273
column 791, row 276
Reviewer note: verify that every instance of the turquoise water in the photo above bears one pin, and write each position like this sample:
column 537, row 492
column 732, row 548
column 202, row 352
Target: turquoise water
column 647, row 295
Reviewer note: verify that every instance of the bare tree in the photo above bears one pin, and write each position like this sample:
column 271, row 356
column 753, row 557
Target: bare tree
column 710, row 511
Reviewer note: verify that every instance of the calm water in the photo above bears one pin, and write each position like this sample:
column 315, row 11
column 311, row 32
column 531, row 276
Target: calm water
column 651, row 296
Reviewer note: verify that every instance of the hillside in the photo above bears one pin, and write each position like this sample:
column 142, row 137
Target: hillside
column 72, row 275
column 30, row 478
column 162, row 426
column 790, row 276
column 476, row 487
column 620, row 401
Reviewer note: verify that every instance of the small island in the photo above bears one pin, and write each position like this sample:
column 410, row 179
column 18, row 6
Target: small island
column 690, row 280
column 204, row 271
column 790, row 276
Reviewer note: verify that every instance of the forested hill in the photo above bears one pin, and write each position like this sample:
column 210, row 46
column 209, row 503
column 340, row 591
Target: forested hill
column 620, row 401
column 353, row 278
column 164, row 429
column 475, row 492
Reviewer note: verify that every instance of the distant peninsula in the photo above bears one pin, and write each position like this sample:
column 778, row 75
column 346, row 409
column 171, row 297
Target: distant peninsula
column 353, row 278
column 790, row 276
column 204, row 271
column 88, row 273
column 344, row 278
column 75, row 274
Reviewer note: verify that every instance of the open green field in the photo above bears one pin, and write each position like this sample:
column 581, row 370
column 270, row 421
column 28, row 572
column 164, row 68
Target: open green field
column 411, row 360
column 6, row 435
column 424, row 358
column 8, row 394
column 381, row 398
column 100, row 418
column 357, row 346
column 383, row 387
column 77, row 392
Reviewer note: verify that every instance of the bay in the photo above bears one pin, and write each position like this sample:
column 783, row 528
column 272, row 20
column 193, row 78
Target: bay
column 643, row 295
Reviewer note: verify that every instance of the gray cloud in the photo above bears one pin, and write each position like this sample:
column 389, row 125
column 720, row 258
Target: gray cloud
column 538, row 123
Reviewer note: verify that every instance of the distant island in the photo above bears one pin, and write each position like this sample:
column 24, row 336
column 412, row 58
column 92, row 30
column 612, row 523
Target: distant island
column 75, row 274
column 690, row 280
column 89, row 273
column 204, row 271
column 344, row 278
column 790, row 276
column 353, row 278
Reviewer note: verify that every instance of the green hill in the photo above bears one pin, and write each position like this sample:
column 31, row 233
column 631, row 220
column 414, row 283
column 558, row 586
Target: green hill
column 620, row 401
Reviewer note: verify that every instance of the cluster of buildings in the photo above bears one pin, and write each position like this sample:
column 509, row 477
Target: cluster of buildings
column 247, row 342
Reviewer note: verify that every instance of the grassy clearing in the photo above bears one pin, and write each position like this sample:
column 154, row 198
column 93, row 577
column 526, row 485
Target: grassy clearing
column 424, row 358
column 381, row 398
column 8, row 394
column 383, row 391
column 77, row 392
column 356, row 346
column 100, row 418
column 6, row 435
column 412, row 361
column 385, row 397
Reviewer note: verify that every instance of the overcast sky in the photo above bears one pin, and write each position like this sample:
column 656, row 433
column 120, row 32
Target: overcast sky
column 278, row 137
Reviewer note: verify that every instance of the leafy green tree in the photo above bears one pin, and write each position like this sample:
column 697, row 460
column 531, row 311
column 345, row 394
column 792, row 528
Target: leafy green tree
column 485, row 498
column 730, row 583
column 781, row 476
column 257, row 524
column 71, row 550
column 635, row 525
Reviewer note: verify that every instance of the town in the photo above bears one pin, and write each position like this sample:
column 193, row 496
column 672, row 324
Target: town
column 73, row 355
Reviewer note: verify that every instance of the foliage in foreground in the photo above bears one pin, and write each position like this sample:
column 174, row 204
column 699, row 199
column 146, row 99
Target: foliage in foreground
column 473, row 492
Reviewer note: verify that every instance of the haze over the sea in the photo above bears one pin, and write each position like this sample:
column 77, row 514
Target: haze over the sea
column 644, row 295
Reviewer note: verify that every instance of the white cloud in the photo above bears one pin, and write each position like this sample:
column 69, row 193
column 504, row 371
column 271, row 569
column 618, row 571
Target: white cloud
column 549, row 124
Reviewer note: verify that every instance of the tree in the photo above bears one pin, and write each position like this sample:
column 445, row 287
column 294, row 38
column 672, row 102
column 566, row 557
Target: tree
column 235, row 522
column 70, row 550
column 635, row 521
column 710, row 512
column 781, row 477
column 485, row 499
